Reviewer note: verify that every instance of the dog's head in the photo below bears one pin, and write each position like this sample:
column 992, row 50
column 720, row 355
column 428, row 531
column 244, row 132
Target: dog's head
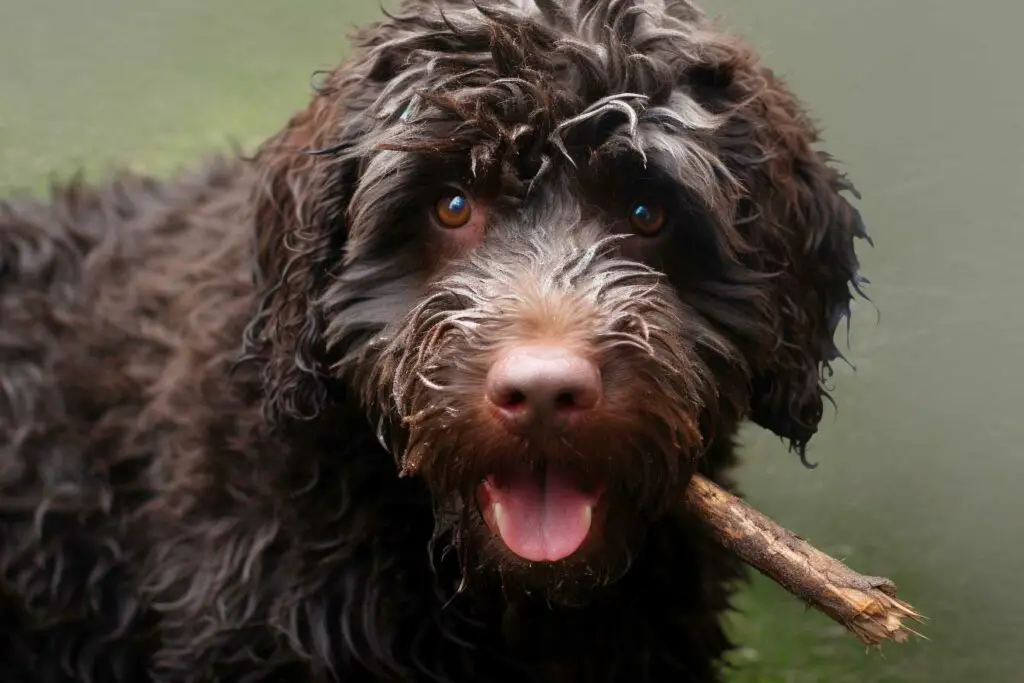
column 555, row 250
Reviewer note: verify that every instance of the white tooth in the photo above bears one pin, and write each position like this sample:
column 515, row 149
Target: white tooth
column 588, row 514
column 498, row 513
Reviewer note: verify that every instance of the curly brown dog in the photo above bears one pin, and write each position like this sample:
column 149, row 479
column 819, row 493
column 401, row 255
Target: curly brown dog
column 409, row 395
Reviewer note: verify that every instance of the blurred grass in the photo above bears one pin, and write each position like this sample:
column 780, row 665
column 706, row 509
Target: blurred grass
column 151, row 85
column 155, row 85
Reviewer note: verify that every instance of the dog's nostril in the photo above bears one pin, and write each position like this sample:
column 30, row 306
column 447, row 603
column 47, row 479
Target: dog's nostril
column 566, row 399
column 514, row 399
column 538, row 385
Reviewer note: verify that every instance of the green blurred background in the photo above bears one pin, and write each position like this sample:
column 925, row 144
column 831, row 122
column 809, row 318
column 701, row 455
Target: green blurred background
column 923, row 100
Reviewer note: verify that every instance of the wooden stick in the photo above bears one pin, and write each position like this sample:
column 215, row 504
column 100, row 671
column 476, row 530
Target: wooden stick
column 866, row 605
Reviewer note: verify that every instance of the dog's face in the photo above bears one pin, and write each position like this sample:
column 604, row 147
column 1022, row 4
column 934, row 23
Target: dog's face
column 555, row 252
column 548, row 382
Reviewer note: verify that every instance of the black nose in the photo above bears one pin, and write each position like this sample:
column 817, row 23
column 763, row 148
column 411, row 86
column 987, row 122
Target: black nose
column 542, row 386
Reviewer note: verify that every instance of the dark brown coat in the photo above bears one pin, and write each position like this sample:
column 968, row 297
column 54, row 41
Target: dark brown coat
column 201, row 378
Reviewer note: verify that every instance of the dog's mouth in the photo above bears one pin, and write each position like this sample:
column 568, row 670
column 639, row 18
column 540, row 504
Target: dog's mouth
column 540, row 516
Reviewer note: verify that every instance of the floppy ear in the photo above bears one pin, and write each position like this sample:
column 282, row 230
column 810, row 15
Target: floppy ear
column 306, row 176
column 801, row 228
column 298, row 214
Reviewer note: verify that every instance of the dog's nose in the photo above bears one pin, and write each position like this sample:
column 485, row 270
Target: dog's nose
column 542, row 386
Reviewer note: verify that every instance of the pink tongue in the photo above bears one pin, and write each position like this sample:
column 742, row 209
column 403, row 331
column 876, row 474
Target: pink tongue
column 540, row 518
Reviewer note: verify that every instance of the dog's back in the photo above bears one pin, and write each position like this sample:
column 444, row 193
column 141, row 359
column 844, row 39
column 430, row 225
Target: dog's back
column 103, row 296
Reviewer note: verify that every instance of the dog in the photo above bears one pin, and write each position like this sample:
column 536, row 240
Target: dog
column 412, row 393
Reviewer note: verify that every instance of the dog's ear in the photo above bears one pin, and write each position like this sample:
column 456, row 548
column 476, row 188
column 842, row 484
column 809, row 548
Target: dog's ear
column 298, row 217
column 306, row 177
column 801, row 230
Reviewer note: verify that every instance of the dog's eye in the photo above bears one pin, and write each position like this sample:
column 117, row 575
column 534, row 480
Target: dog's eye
column 453, row 210
column 647, row 219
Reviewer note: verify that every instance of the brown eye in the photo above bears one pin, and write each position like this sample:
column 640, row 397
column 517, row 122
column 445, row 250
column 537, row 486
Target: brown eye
column 453, row 210
column 647, row 219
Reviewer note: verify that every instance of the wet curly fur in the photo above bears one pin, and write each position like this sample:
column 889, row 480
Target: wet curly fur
column 210, row 385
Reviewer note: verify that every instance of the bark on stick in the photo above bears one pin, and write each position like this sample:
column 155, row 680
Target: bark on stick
column 866, row 605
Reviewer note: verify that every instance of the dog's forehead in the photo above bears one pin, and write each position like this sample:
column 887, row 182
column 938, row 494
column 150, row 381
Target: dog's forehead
column 457, row 50
column 524, row 88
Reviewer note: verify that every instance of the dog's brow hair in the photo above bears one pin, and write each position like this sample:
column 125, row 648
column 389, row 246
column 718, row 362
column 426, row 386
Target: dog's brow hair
column 612, row 103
